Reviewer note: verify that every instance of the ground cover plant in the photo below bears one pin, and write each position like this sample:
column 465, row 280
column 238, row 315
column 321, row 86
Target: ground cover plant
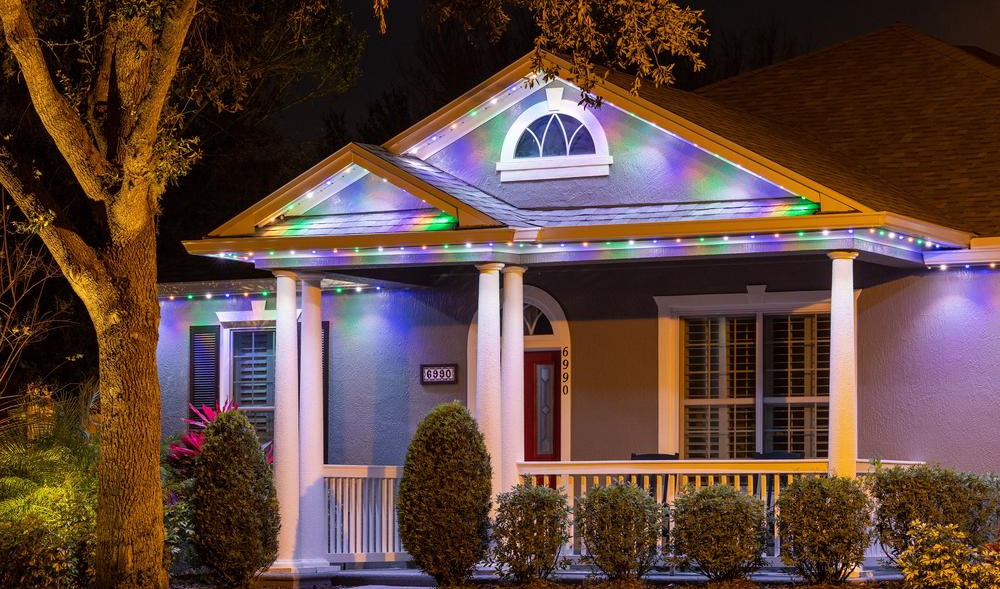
column 444, row 495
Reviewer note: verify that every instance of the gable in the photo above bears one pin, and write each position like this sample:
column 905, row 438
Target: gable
column 650, row 165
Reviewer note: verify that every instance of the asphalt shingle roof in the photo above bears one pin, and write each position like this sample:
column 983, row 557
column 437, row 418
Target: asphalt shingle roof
column 898, row 106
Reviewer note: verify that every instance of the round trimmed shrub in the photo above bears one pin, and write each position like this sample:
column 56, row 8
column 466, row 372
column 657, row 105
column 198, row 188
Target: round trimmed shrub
column 444, row 496
column 935, row 496
column 529, row 532
column 621, row 525
column 719, row 532
column 234, row 505
column 825, row 526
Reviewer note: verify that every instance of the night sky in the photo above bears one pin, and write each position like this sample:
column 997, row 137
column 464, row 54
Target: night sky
column 813, row 23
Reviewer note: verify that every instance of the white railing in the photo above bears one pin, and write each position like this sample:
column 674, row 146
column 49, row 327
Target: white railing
column 361, row 500
column 361, row 513
column 763, row 479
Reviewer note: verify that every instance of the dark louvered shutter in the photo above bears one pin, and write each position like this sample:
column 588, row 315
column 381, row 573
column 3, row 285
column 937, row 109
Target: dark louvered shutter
column 204, row 365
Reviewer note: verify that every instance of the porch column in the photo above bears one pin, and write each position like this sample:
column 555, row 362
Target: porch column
column 488, row 366
column 286, row 418
column 312, row 500
column 843, row 444
column 512, row 375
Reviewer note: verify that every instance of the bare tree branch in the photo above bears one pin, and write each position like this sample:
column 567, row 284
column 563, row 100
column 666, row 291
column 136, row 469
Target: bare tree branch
column 79, row 261
column 61, row 120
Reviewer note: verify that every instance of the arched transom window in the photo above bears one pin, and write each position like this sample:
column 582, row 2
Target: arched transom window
column 554, row 135
column 556, row 138
column 535, row 321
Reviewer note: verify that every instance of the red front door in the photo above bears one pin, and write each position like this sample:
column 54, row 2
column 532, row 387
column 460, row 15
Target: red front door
column 541, row 406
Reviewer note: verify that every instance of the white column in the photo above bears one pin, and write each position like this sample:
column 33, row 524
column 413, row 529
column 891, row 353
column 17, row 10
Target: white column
column 286, row 418
column 843, row 445
column 512, row 376
column 312, row 504
column 488, row 366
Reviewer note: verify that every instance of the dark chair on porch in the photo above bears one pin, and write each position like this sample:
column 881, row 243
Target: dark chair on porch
column 654, row 456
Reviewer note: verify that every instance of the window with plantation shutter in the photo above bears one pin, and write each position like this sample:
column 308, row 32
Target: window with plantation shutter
column 253, row 378
column 204, row 383
column 756, row 384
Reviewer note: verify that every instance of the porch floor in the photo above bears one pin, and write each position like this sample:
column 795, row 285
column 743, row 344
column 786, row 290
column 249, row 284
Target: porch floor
column 392, row 578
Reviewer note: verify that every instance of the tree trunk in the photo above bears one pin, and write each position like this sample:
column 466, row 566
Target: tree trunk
column 130, row 501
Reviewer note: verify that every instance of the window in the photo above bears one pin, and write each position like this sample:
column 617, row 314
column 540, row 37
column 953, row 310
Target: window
column 554, row 139
column 554, row 135
column 756, row 384
column 253, row 378
column 535, row 321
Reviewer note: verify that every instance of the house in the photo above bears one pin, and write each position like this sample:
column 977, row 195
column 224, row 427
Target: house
column 786, row 273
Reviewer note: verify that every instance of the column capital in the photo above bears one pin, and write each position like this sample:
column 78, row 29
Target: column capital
column 490, row 267
column 284, row 274
column 514, row 270
column 842, row 255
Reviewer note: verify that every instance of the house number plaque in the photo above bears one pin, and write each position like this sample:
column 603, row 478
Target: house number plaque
column 438, row 373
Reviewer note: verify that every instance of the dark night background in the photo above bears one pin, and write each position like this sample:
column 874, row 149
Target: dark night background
column 417, row 67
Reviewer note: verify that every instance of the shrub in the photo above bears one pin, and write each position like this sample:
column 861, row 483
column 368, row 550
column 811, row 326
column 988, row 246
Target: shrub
column 825, row 527
column 48, row 494
column 529, row 532
column 620, row 526
column 939, row 557
column 234, row 505
column 34, row 555
column 719, row 532
column 936, row 496
column 444, row 496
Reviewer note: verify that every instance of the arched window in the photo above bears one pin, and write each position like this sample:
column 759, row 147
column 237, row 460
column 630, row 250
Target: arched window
column 555, row 138
column 535, row 321
column 555, row 135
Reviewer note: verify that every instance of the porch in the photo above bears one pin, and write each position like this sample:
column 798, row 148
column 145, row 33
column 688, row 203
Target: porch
column 357, row 502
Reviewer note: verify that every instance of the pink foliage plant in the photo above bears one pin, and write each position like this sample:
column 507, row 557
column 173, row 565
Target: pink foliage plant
column 182, row 453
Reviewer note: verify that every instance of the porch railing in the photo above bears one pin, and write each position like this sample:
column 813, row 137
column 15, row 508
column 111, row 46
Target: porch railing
column 361, row 500
column 361, row 513
column 764, row 479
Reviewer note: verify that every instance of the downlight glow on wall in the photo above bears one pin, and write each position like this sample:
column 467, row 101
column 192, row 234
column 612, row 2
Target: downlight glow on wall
column 556, row 138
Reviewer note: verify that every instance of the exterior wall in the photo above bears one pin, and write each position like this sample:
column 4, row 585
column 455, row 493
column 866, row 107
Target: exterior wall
column 929, row 376
column 929, row 383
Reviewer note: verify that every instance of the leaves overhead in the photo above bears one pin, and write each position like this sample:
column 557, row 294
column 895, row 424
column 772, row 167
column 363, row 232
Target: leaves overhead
column 642, row 37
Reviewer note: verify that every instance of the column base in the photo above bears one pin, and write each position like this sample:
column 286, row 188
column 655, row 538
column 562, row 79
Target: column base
column 297, row 574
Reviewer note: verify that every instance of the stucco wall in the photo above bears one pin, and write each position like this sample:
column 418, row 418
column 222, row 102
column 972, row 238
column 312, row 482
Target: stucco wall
column 929, row 381
column 929, row 376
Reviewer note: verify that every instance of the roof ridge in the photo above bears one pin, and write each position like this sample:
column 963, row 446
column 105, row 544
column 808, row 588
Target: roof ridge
column 951, row 51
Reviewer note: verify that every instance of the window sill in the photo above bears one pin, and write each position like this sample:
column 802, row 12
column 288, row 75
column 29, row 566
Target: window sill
column 554, row 168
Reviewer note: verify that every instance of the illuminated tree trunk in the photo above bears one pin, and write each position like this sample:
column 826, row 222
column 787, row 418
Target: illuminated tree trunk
column 130, row 505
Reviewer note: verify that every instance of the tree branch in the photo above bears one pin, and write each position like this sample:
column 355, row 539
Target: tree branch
column 166, row 56
column 79, row 262
column 61, row 120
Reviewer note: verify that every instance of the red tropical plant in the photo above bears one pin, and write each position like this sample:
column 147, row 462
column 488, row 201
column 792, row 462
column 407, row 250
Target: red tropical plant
column 182, row 453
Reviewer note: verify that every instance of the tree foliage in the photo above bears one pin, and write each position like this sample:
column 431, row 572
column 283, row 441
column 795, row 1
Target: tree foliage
column 641, row 37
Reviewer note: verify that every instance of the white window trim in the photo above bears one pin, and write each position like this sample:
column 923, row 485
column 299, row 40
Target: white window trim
column 547, row 168
column 258, row 317
column 670, row 312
